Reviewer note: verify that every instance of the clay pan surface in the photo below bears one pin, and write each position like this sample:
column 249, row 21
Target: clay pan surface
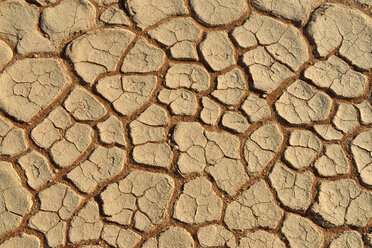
column 185, row 123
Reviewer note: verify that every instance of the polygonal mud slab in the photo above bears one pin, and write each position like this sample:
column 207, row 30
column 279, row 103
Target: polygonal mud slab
column 185, row 123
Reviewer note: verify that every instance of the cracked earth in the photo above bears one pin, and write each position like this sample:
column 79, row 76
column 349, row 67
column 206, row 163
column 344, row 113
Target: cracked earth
column 185, row 123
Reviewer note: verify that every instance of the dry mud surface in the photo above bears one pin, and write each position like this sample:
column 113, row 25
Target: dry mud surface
column 185, row 123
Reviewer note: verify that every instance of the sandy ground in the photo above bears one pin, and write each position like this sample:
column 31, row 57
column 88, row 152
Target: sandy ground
column 185, row 123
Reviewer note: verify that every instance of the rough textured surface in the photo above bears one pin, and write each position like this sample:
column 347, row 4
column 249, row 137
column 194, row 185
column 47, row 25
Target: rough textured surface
column 12, row 139
column 127, row 93
column 335, row 75
column 347, row 239
column 101, row 165
column 30, row 85
column 297, row 11
column 6, row 54
column 217, row 50
column 121, row 238
column 260, row 239
column 141, row 195
column 255, row 207
column 215, row 13
column 143, row 57
column 230, row 87
column 19, row 24
column 215, row 235
column 361, row 149
column 261, row 146
column 22, row 241
column 302, row 104
column 198, row 203
column 98, row 51
column 67, row 17
column 293, row 190
column 185, row 123
column 347, row 30
column 294, row 227
column 15, row 200
column 36, row 167
column 139, row 10
column 342, row 202
column 83, row 106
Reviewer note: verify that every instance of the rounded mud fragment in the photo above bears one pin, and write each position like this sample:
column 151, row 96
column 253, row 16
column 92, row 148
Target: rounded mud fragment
column 301, row 232
column 126, row 93
column 66, row 18
column 218, row 12
column 31, row 84
column 184, row 50
column 348, row 30
column 175, row 237
column 229, row 175
column 347, row 239
column 296, row 11
column 176, row 30
column 234, row 121
column 333, row 162
column 36, row 167
column 255, row 108
column 342, row 202
column 346, row 118
column 181, row 102
column 335, row 75
column 6, row 54
column 327, row 132
column 83, row 106
column 15, row 200
column 22, row 241
column 111, row 131
column 361, row 149
column 267, row 74
column 143, row 57
column 293, row 189
column 120, row 238
column 140, row 198
column 76, row 140
column 197, row 203
column 302, row 149
column 190, row 76
column 365, row 112
column 12, row 139
column 255, row 207
column 217, row 50
column 230, row 87
column 262, row 239
column 101, row 165
column 98, row 51
column 261, row 147
column 114, row 16
column 215, row 236
column 86, row 224
column 153, row 154
column 302, row 104
column 146, row 13
column 211, row 111
column 19, row 24
column 59, row 198
column 50, row 225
